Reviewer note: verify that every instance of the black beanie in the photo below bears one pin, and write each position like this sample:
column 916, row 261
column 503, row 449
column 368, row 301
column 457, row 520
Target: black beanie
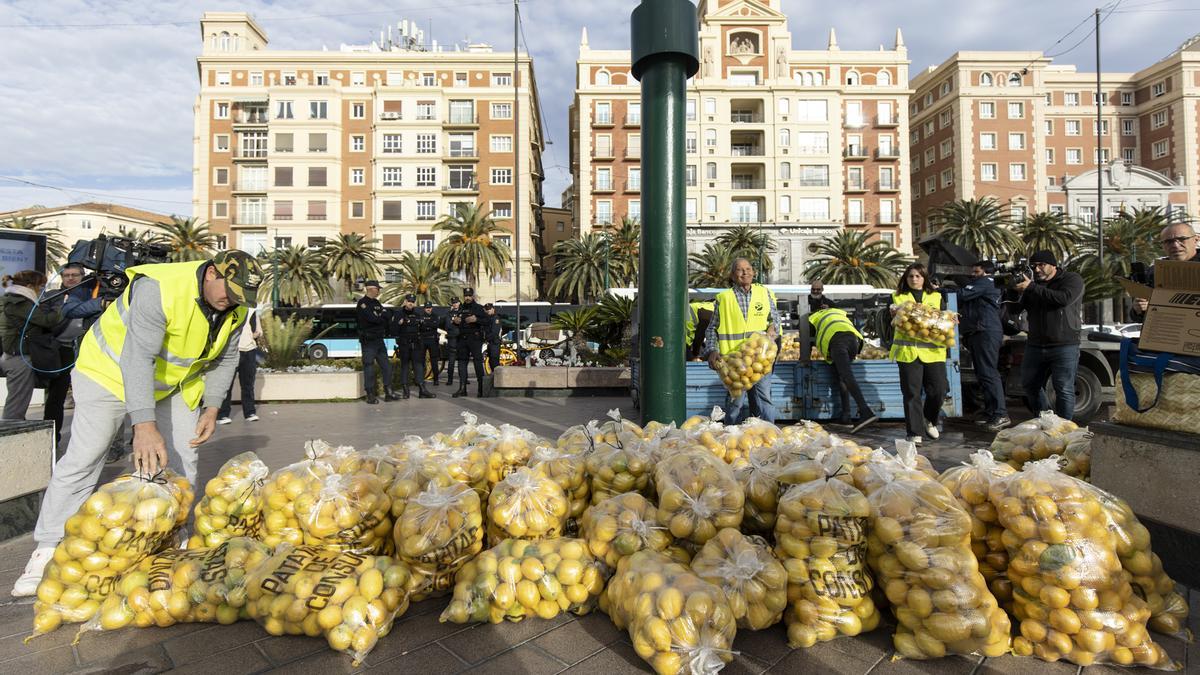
column 1045, row 257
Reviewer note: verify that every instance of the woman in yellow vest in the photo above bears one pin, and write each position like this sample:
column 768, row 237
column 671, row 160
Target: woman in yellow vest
column 922, row 364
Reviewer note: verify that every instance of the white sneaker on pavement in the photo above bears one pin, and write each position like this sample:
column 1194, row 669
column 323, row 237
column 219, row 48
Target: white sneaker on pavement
column 224, row 420
column 27, row 584
column 252, row 418
column 915, row 440
column 931, row 431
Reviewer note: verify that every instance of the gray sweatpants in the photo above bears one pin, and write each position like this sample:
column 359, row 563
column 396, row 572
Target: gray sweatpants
column 98, row 417
column 20, row 381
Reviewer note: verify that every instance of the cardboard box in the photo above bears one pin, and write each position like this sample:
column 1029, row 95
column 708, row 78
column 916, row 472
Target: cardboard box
column 1173, row 319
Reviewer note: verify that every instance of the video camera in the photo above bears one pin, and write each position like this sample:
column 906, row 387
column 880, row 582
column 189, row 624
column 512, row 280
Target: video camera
column 1013, row 271
column 108, row 258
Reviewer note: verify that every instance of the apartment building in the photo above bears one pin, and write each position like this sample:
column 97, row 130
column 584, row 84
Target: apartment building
column 1015, row 127
column 799, row 143
column 384, row 139
column 88, row 220
column 557, row 224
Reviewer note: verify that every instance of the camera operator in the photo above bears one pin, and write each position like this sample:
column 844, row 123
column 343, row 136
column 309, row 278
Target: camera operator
column 27, row 330
column 979, row 320
column 1179, row 243
column 165, row 347
column 1053, row 301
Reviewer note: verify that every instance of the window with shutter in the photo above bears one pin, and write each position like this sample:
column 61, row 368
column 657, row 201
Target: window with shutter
column 283, row 209
column 316, row 210
column 317, row 143
column 283, row 176
column 391, row 243
column 391, row 210
column 316, row 176
column 283, row 143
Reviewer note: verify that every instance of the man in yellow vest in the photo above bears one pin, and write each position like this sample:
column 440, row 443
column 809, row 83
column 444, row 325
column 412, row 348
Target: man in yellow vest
column 840, row 342
column 745, row 308
column 159, row 351
column 695, row 326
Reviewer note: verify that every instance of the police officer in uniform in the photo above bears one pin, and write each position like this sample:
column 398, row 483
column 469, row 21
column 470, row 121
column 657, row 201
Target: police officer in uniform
column 473, row 324
column 452, row 331
column 427, row 329
column 406, row 326
column 372, row 329
column 493, row 337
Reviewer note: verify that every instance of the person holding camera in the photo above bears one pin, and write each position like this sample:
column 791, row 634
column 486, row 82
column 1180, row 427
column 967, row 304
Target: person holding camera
column 473, row 323
column 406, row 328
column 979, row 321
column 1179, row 243
column 1053, row 302
column 922, row 364
column 28, row 332
column 166, row 346
column 372, row 329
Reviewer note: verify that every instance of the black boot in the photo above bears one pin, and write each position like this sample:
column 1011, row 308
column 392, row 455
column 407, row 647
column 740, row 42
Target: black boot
column 462, row 389
column 425, row 393
column 389, row 394
column 480, row 388
column 372, row 399
column 404, row 392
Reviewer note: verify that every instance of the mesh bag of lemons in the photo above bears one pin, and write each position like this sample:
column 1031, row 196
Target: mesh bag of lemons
column 125, row 520
column 925, row 323
column 970, row 483
column 759, row 478
column 678, row 622
column 569, row 470
column 467, row 464
column 919, row 547
column 518, row 578
column 621, row 526
column 1071, row 595
column 881, row 467
column 1035, row 439
column 1077, row 454
column 743, row 367
column 626, row 465
column 697, row 496
column 616, row 429
column 280, row 492
column 439, row 532
column 526, row 504
column 789, row 347
column 232, row 503
column 510, row 448
column 349, row 598
column 376, row 461
column 202, row 585
column 577, row 440
column 821, row 536
column 754, row 581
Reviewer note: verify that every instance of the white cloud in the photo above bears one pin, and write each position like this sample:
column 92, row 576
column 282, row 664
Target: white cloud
column 111, row 107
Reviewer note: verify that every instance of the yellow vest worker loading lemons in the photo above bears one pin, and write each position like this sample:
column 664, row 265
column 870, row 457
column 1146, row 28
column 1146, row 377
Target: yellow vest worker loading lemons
column 161, row 349
column 837, row 338
column 922, row 363
column 739, row 313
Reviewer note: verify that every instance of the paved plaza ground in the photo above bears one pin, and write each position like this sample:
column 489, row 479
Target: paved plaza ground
column 418, row 642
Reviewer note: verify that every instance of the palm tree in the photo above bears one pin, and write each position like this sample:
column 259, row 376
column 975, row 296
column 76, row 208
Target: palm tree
column 625, row 245
column 744, row 241
column 612, row 322
column 56, row 248
column 188, row 239
column 1129, row 237
column 142, row 236
column 848, row 258
column 1048, row 231
column 579, row 267
column 349, row 257
column 471, row 245
column 302, row 278
column 575, row 323
column 420, row 276
column 710, row 268
column 978, row 225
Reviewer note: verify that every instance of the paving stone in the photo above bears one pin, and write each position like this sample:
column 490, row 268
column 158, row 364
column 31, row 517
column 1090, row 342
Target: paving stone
column 15, row 618
column 281, row 649
column 825, row 659
column 144, row 661
column 573, row 642
column 14, row 645
column 618, row 657
column 524, row 660
column 100, row 647
column 214, row 639
column 414, row 632
column 950, row 665
column 428, row 606
column 243, row 660
column 743, row 664
column 1024, row 665
column 57, row 660
column 483, row 641
column 432, row 658
column 600, row 627
column 768, row 645
column 324, row 662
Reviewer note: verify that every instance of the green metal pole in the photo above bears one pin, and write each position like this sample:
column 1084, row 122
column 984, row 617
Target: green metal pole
column 665, row 54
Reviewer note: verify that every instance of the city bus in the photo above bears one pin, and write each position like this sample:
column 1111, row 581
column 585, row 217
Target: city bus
column 335, row 331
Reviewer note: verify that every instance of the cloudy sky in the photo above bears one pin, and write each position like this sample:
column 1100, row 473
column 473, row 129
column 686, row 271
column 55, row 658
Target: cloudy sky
column 98, row 95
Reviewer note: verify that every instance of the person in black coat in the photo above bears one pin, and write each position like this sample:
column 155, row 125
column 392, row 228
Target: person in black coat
column 452, row 331
column 979, row 321
column 427, row 329
column 372, row 329
column 493, row 337
column 473, row 324
column 1054, row 305
column 406, row 328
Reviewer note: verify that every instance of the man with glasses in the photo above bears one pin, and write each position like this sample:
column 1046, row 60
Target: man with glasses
column 1054, row 302
column 1179, row 243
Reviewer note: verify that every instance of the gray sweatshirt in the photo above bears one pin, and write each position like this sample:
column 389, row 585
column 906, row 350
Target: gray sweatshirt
column 145, row 329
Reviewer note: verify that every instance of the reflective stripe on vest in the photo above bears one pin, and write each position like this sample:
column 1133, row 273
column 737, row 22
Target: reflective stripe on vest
column 830, row 322
column 693, row 320
column 186, row 350
column 907, row 348
column 736, row 327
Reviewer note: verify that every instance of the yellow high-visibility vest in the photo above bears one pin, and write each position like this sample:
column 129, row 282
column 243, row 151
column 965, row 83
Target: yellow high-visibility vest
column 907, row 348
column 830, row 322
column 693, row 319
column 736, row 327
column 186, row 351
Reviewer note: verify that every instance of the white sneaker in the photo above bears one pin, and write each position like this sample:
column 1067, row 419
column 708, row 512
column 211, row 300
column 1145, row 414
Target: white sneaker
column 224, row 420
column 252, row 418
column 931, row 431
column 27, row 584
column 915, row 440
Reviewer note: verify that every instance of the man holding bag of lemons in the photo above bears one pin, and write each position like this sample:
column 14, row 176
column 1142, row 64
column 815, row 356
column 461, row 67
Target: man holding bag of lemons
column 739, row 312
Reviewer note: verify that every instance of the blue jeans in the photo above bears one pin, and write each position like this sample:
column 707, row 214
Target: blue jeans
column 757, row 400
column 1058, row 364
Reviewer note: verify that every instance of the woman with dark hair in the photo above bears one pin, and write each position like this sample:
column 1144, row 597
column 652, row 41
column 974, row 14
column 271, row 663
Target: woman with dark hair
column 27, row 336
column 922, row 364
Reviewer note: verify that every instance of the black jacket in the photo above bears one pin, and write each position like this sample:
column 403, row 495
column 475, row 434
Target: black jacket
column 477, row 330
column 372, row 319
column 492, row 332
column 405, row 324
column 427, row 327
column 979, row 307
column 1055, row 310
column 449, row 326
column 1141, row 316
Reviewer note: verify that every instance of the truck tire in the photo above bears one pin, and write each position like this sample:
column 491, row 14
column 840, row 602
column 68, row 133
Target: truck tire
column 318, row 352
column 1087, row 395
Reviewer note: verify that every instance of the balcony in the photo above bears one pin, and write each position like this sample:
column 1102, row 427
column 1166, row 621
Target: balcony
column 887, row 121
column 887, row 153
column 858, row 186
column 463, row 153
column 602, row 153
column 812, row 215
column 604, row 186
column 746, row 150
column 887, row 186
column 812, row 150
column 633, row 152
column 251, row 154
column 888, row 219
column 461, row 187
column 854, row 122
column 858, row 219
column 603, row 120
column 855, row 152
column 461, row 121
column 748, row 184
column 632, row 121
column 810, row 182
column 391, row 116
column 633, row 186
column 249, row 187
column 745, row 117
column 250, row 119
